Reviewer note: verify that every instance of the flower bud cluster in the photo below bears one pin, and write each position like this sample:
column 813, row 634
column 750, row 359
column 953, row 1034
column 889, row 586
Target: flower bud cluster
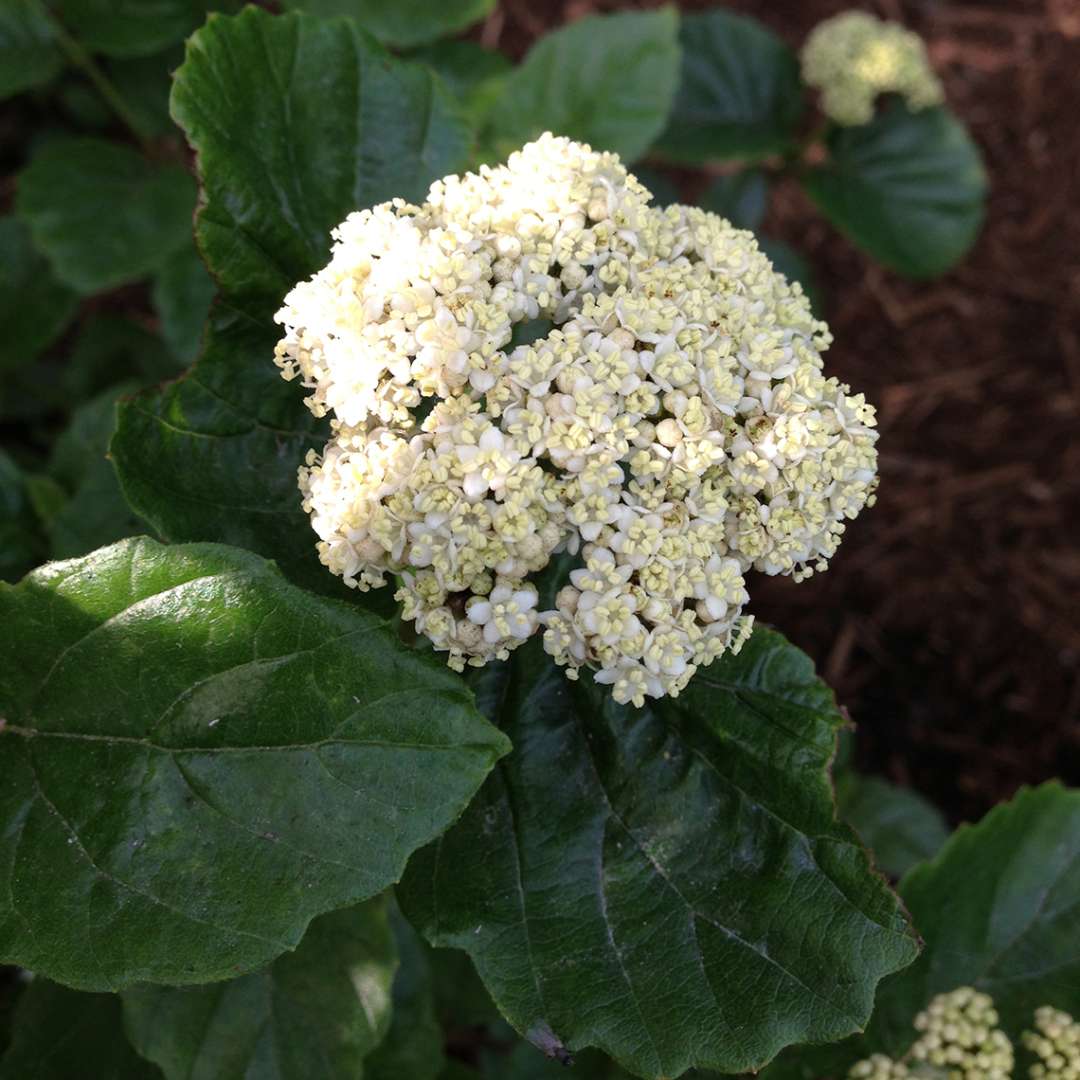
column 853, row 57
column 960, row 1035
column 878, row 1067
column 1056, row 1042
column 671, row 425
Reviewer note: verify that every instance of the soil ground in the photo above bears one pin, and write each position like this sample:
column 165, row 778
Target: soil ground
column 949, row 622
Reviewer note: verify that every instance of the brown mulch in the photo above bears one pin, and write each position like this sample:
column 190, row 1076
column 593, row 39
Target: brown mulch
column 949, row 623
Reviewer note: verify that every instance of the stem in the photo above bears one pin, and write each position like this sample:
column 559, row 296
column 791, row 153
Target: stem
column 79, row 58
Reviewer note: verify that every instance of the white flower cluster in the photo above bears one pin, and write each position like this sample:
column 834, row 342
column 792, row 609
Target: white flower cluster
column 1056, row 1042
column 671, row 423
column 853, row 57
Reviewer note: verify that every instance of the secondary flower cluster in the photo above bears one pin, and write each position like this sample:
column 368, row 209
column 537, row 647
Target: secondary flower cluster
column 536, row 360
column 1056, row 1042
column 960, row 1035
column 959, row 1038
column 853, row 57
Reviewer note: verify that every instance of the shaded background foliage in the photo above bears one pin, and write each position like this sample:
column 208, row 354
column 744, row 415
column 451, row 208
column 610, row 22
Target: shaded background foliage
column 948, row 628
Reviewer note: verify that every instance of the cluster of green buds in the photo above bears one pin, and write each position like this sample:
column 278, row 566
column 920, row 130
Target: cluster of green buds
column 853, row 57
column 960, row 1035
column 960, row 1040
column 1056, row 1042
column 878, row 1067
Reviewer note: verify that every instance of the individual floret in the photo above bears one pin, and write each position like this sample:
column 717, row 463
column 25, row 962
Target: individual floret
column 853, row 57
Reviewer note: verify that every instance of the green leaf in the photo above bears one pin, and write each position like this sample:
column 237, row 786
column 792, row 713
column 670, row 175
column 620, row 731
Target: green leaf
column 741, row 197
column 317, row 1011
column 144, row 82
column 999, row 909
column 60, row 1034
column 669, row 884
column 898, row 825
column 199, row 758
column 473, row 74
column 34, row 307
column 135, row 27
column 182, row 294
column 608, row 80
column 413, row 1047
column 96, row 512
column 794, row 267
column 213, row 456
column 111, row 349
column 28, row 53
column 739, row 96
column 908, row 188
column 22, row 544
column 101, row 213
column 298, row 121
column 403, row 23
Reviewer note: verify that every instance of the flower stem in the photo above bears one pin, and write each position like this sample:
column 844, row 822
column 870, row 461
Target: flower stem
column 79, row 58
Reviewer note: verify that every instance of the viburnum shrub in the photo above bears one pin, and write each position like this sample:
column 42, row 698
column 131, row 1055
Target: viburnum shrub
column 404, row 717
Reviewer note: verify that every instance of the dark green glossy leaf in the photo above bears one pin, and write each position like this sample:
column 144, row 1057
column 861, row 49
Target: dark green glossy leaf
column 999, row 909
column 34, row 307
column 136, row 27
column 297, row 121
column 22, row 541
column 95, row 513
column 413, row 1047
column 101, row 213
column 29, row 55
column 787, row 261
column 908, row 188
column 199, row 758
column 739, row 92
column 474, row 75
column 182, row 294
column 403, row 23
column 898, row 825
column 608, row 80
column 61, row 1034
column 670, row 884
column 318, row 1011
column 213, row 456
column 741, row 197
